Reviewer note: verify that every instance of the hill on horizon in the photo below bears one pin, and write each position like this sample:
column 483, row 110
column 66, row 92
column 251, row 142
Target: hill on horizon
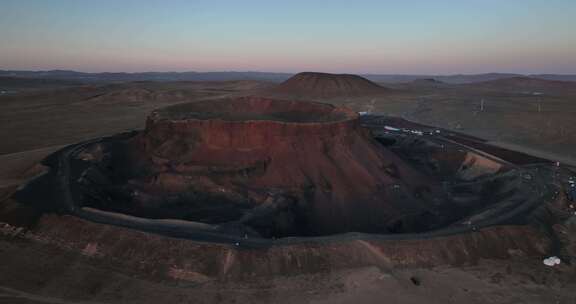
column 107, row 77
column 315, row 85
column 528, row 85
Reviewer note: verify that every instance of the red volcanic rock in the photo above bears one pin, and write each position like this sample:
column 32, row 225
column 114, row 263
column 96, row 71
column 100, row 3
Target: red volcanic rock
column 333, row 177
column 323, row 85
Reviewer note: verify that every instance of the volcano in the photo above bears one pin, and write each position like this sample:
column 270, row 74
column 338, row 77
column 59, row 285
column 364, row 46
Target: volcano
column 315, row 85
column 300, row 167
column 264, row 171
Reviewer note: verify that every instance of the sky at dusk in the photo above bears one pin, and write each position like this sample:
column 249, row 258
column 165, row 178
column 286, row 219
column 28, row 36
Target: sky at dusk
column 355, row 36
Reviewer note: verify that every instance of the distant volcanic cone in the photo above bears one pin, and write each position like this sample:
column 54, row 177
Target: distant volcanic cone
column 322, row 86
column 308, row 169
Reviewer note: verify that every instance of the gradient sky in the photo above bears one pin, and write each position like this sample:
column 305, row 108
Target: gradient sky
column 354, row 36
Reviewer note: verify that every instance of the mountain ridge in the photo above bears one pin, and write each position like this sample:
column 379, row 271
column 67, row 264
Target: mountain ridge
column 101, row 77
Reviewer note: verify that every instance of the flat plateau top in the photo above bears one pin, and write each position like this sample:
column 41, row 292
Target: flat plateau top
column 256, row 108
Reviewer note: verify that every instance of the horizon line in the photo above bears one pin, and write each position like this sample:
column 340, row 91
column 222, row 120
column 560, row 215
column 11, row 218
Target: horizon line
column 277, row 72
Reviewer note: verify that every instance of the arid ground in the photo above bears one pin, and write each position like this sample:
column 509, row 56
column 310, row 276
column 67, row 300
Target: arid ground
column 43, row 266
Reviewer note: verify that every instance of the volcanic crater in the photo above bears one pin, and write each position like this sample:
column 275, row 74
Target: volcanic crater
column 256, row 169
